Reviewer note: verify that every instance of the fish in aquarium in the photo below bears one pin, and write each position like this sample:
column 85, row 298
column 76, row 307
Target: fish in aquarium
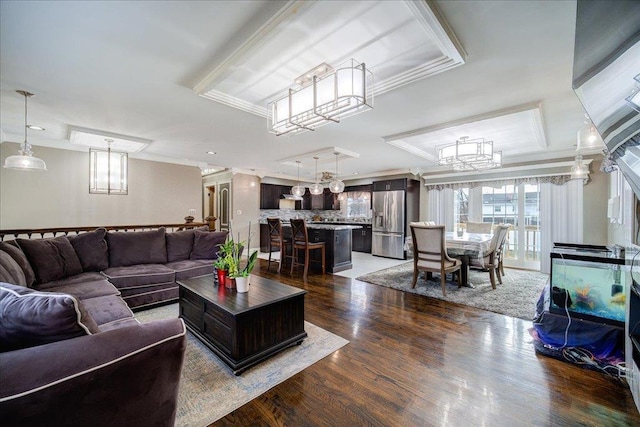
column 587, row 298
column 619, row 299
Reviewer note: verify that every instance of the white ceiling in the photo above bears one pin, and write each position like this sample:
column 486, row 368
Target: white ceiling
column 136, row 68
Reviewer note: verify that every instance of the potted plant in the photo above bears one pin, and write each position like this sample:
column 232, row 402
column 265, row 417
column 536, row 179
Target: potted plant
column 238, row 269
column 222, row 263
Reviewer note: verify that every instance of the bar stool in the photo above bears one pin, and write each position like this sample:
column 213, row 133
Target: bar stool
column 300, row 239
column 276, row 238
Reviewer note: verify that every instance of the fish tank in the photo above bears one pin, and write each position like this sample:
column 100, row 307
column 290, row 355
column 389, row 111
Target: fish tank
column 588, row 282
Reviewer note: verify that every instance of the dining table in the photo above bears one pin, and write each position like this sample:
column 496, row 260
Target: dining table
column 465, row 247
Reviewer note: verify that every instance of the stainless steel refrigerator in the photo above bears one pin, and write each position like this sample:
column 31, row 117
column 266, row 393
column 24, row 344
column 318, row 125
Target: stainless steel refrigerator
column 388, row 221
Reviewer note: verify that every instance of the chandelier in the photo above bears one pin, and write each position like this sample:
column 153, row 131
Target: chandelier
column 323, row 95
column 470, row 154
column 25, row 160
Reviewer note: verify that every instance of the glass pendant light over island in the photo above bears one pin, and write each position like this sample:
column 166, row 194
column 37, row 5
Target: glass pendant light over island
column 298, row 190
column 316, row 188
column 336, row 186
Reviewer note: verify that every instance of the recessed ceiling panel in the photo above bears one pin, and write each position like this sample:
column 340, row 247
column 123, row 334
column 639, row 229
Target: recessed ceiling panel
column 399, row 41
column 515, row 131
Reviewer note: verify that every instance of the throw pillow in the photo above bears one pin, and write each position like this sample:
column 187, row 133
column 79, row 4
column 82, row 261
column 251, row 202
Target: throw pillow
column 179, row 245
column 10, row 271
column 138, row 247
column 91, row 248
column 206, row 244
column 16, row 253
column 51, row 259
column 31, row 318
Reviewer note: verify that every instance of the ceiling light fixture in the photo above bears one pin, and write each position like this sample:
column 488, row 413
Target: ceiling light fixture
column 34, row 127
column 588, row 136
column 470, row 154
column 336, row 186
column 25, row 160
column 108, row 170
column 324, row 95
column 298, row 190
column 579, row 170
column 316, row 188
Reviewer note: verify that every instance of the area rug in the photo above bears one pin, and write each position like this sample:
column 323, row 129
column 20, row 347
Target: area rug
column 516, row 297
column 208, row 388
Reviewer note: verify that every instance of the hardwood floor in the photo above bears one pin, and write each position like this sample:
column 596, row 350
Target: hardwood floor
column 413, row 360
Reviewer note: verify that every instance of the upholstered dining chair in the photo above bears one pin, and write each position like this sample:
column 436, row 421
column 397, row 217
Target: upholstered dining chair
column 490, row 259
column 300, row 241
column 479, row 227
column 430, row 254
column 277, row 241
column 501, row 250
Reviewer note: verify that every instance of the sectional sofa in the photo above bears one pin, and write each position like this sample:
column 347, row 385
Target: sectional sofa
column 71, row 351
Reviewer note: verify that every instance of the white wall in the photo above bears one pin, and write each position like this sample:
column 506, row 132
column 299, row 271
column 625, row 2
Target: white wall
column 59, row 197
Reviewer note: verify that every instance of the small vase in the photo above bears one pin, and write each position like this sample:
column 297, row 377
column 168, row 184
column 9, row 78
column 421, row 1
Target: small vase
column 230, row 282
column 222, row 275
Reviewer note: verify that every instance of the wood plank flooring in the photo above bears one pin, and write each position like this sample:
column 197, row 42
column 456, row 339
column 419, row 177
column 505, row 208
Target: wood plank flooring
column 412, row 360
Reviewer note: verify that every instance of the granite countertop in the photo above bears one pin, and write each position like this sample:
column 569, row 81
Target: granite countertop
column 321, row 226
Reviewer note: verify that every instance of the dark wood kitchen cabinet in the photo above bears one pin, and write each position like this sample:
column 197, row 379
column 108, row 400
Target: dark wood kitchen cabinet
column 270, row 196
column 362, row 239
column 390, row 185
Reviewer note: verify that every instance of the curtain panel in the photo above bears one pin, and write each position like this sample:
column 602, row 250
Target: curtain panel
column 561, row 217
column 498, row 183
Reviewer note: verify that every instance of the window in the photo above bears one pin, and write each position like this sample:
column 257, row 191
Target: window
column 355, row 204
column 460, row 207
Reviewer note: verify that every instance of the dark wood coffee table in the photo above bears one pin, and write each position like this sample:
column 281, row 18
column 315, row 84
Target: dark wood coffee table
column 243, row 328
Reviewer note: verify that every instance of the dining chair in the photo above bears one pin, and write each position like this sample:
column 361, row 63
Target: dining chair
column 300, row 241
column 501, row 249
column 479, row 227
column 490, row 259
column 430, row 254
column 277, row 239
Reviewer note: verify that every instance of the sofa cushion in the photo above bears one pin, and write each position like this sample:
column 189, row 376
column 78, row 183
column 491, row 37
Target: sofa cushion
column 107, row 309
column 139, row 275
column 206, row 244
column 51, row 259
column 138, row 247
column 179, row 245
column 91, row 248
column 31, row 318
column 16, row 253
column 89, row 276
column 85, row 290
column 191, row 268
column 10, row 271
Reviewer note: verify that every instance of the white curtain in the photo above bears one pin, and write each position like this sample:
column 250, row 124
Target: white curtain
column 560, row 217
column 441, row 207
column 475, row 204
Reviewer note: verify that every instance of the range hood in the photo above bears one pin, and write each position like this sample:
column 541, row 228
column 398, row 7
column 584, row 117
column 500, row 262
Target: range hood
column 290, row 197
column 606, row 70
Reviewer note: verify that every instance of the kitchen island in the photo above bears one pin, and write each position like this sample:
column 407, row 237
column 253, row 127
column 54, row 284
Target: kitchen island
column 337, row 239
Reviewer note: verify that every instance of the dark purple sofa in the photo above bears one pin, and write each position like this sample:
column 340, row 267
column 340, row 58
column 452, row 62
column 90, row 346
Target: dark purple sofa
column 71, row 351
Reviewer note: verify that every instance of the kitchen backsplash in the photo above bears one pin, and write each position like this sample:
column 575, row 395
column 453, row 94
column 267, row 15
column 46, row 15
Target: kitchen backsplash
column 310, row 216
